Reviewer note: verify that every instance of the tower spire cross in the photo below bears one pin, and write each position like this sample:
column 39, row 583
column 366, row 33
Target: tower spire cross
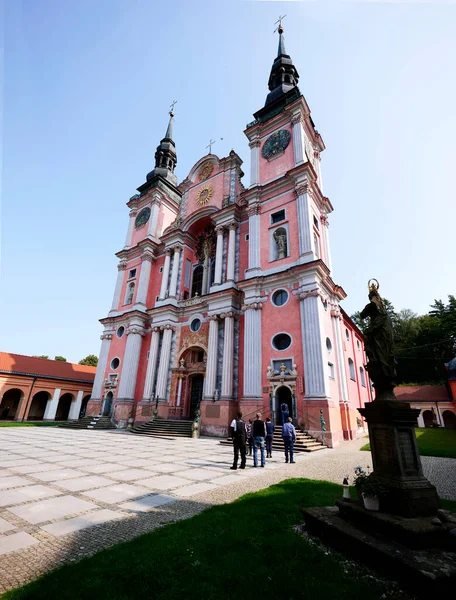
column 279, row 21
column 171, row 111
column 211, row 143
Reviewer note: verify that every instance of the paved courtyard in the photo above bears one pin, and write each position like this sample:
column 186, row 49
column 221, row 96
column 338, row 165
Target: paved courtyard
column 66, row 494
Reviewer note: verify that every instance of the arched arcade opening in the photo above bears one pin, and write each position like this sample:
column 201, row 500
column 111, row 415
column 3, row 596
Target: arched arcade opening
column 63, row 407
column 9, row 405
column 38, row 406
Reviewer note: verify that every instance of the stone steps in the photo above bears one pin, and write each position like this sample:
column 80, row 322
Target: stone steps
column 165, row 428
column 304, row 442
column 90, row 423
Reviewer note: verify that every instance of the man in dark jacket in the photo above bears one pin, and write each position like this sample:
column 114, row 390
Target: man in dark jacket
column 239, row 435
column 259, row 433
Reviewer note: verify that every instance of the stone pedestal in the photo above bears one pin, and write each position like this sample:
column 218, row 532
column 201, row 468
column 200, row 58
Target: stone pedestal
column 396, row 460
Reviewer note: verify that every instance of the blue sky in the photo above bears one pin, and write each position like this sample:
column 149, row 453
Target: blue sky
column 87, row 86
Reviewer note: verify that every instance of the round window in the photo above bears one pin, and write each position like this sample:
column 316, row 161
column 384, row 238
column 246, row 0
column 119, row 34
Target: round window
column 120, row 331
column 281, row 341
column 328, row 345
column 115, row 363
column 195, row 325
column 280, row 297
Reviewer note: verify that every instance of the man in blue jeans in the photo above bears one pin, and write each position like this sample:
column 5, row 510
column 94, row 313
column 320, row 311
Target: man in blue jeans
column 289, row 438
column 258, row 433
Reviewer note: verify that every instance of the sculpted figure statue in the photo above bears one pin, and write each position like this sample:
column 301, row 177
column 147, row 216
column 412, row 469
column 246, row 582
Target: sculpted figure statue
column 280, row 238
column 379, row 344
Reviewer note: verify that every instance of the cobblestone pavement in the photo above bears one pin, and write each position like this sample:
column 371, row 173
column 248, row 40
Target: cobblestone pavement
column 66, row 494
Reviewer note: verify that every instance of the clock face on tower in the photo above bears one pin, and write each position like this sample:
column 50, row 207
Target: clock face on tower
column 142, row 217
column 276, row 144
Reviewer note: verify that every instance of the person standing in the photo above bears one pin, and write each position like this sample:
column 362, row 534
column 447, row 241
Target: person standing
column 289, row 438
column 238, row 433
column 285, row 412
column 269, row 437
column 248, row 428
column 259, row 433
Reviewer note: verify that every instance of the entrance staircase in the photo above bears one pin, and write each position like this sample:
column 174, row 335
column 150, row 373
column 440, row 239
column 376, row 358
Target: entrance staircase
column 90, row 423
column 304, row 442
column 165, row 428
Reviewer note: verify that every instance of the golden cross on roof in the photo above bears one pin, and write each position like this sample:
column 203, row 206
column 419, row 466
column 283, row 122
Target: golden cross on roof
column 279, row 21
column 211, row 143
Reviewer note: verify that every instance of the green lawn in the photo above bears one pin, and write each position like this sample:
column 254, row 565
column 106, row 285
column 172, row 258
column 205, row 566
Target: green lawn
column 31, row 423
column 434, row 442
column 235, row 551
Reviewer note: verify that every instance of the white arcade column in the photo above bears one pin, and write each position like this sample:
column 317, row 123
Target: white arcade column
column 165, row 275
column 165, row 356
column 298, row 138
column 305, row 228
column 228, row 355
column 152, row 363
column 252, row 350
column 131, row 225
column 231, row 252
column 316, row 382
column 97, row 390
column 211, row 365
column 120, row 277
column 75, row 407
column 218, row 256
column 51, row 406
column 179, row 390
column 135, row 332
column 174, row 273
column 144, row 277
column 254, row 162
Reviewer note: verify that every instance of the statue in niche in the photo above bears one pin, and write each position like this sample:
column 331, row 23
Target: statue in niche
column 379, row 344
column 280, row 237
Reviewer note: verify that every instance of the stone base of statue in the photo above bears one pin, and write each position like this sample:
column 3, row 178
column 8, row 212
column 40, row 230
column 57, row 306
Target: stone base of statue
column 396, row 459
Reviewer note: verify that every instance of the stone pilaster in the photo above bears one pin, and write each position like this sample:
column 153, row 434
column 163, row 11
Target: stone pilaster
column 152, row 363
column 336, row 319
column 120, row 277
column 165, row 357
column 153, row 220
column 252, row 350
column 174, row 273
column 231, row 252
column 131, row 225
column 75, row 407
column 228, row 356
column 211, row 366
column 316, row 382
column 298, row 138
column 325, row 225
column 51, row 406
column 254, row 162
column 219, row 256
column 135, row 333
column 254, row 237
column 305, row 228
column 97, row 390
column 165, row 274
column 144, row 277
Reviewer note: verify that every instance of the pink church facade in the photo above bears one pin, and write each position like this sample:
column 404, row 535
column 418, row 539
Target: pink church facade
column 224, row 298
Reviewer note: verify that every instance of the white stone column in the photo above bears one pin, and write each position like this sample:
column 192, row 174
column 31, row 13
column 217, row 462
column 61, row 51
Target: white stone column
column 97, row 390
column 120, row 277
column 316, row 381
column 254, row 162
column 298, row 138
column 211, row 365
column 325, row 225
column 75, row 407
column 219, row 256
column 228, row 356
column 231, row 252
column 153, row 220
column 165, row 274
column 165, row 357
column 131, row 225
column 152, row 363
column 305, row 228
column 174, row 272
column 179, row 391
column 254, row 236
column 51, row 406
column 420, row 420
column 252, row 350
column 336, row 319
column 144, row 277
column 127, row 384
column 319, row 178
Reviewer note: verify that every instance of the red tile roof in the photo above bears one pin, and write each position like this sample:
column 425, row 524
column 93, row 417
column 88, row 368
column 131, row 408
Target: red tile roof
column 416, row 393
column 29, row 365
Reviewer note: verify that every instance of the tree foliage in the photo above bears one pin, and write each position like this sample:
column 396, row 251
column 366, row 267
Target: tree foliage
column 91, row 360
column 41, row 356
column 423, row 342
column 60, row 358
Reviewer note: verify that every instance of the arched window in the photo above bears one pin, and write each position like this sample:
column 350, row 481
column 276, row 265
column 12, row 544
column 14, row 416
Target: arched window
column 130, row 292
column 317, row 245
column 328, row 345
column 363, row 376
column 280, row 249
column 351, row 366
column 197, row 283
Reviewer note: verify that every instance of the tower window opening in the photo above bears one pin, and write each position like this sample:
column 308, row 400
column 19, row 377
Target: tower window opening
column 331, row 370
column 197, row 283
column 132, row 273
column 130, row 293
column 317, row 245
column 316, row 222
column 363, row 376
column 351, row 366
column 278, row 216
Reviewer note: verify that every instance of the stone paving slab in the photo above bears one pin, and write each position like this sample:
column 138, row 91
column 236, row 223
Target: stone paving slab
column 131, row 474
column 117, row 493
column 145, row 504
column 53, row 508
column 163, row 482
column 39, row 468
column 57, row 475
column 26, row 494
column 13, row 482
column 6, row 526
column 16, row 541
column 192, row 490
column 198, row 474
column 105, row 468
column 77, row 523
column 83, row 483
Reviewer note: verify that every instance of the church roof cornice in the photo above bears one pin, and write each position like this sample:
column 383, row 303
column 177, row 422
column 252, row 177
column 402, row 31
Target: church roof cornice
column 138, row 249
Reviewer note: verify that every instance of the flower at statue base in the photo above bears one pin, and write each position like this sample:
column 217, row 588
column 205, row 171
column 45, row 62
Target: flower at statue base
column 368, row 488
